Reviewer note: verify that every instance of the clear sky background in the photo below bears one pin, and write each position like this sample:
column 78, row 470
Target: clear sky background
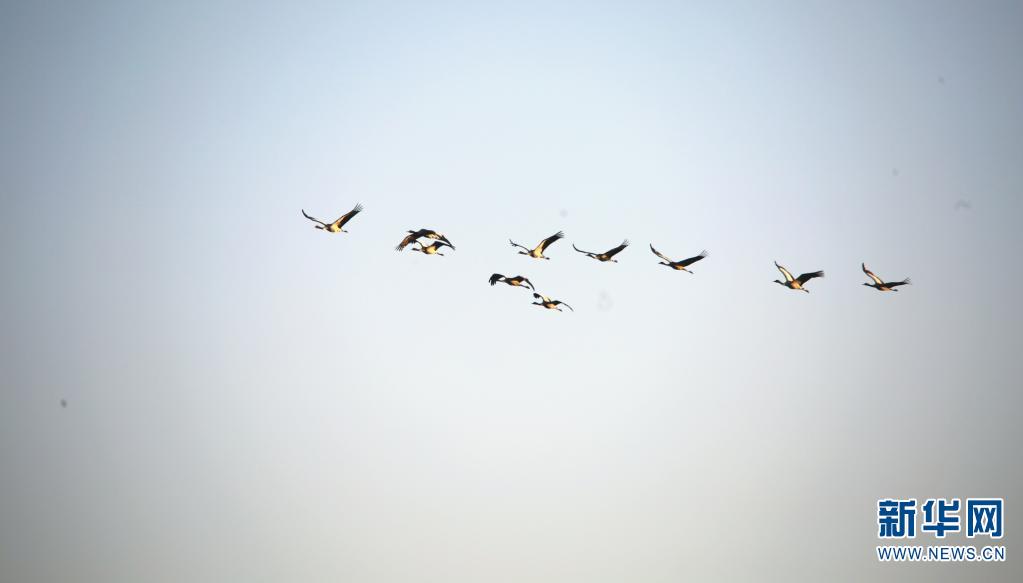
column 249, row 399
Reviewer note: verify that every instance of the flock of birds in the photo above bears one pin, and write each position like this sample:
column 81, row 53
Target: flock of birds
column 439, row 241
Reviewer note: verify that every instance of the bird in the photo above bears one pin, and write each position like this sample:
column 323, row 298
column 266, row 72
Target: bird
column 432, row 248
column 334, row 227
column 796, row 282
column 549, row 303
column 883, row 285
column 428, row 233
column 537, row 252
column 516, row 281
column 678, row 265
column 606, row 255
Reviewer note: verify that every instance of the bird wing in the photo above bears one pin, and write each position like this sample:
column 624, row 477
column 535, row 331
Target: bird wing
column 496, row 278
column 785, row 272
column 542, row 298
column 618, row 249
column 659, row 254
column 561, row 303
column 581, row 251
column 523, row 247
column 871, row 275
column 808, row 276
column 549, row 240
column 348, row 216
column 412, row 236
column 694, row 259
column 437, row 237
column 525, row 280
column 906, row 281
column 313, row 219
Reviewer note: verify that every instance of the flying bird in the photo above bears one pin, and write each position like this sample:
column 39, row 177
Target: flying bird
column 678, row 265
column 606, row 255
column 796, row 282
column 549, row 303
column 537, row 252
column 415, row 235
column 883, row 285
column 432, row 248
column 516, row 281
column 334, row 227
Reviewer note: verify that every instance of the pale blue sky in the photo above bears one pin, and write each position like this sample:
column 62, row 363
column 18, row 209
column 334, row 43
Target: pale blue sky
column 251, row 399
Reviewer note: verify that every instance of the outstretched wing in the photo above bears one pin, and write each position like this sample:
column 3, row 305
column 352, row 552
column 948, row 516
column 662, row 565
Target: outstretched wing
column 906, row 281
column 616, row 250
column 523, row 247
column 691, row 260
column 412, row 236
column 313, row 219
column 871, row 275
column 431, row 234
column 808, row 276
column 785, row 272
column 549, row 241
column 583, row 252
column 496, row 278
column 561, row 303
column 348, row 216
column 541, row 297
column 659, row 254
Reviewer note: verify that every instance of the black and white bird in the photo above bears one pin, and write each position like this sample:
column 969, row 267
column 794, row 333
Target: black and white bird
column 680, row 265
column 537, row 252
column 796, row 282
column 336, row 226
column 549, row 303
column 883, row 285
column 416, row 235
column 516, row 281
column 606, row 255
column 431, row 249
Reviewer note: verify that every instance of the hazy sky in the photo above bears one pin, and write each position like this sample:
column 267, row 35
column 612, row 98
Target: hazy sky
column 249, row 399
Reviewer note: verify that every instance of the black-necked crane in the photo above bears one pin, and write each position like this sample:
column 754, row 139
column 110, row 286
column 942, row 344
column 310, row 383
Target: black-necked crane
column 606, row 255
column 416, row 235
column 681, row 264
column 431, row 249
column 796, row 282
column 883, row 285
column 537, row 252
column 516, row 281
column 549, row 303
column 336, row 226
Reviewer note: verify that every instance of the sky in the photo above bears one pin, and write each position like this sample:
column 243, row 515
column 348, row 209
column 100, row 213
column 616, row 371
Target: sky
column 248, row 398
